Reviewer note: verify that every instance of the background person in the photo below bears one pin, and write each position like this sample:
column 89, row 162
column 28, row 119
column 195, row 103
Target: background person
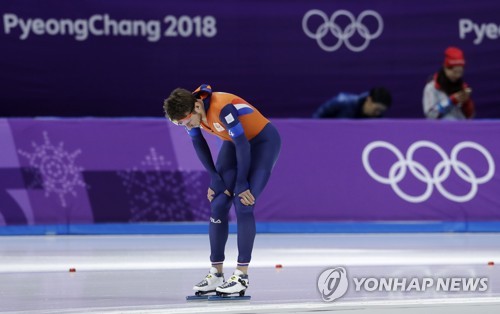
column 372, row 104
column 446, row 95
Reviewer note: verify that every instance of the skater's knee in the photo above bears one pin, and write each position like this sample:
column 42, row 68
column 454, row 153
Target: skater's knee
column 219, row 215
column 220, row 205
column 243, row 210
column 222, row 199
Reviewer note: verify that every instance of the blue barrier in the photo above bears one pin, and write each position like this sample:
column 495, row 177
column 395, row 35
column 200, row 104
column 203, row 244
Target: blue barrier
column 263, row 227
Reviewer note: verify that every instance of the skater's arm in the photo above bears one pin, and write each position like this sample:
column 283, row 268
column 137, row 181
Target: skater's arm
column 229, row 116
column 203, row 151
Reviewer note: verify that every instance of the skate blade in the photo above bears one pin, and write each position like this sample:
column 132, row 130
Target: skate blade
column 197, row 297
column 228, row 297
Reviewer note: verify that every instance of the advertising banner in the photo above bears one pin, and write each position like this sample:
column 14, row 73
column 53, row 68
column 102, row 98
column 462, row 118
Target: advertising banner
column 122, row 58
column 145, row 170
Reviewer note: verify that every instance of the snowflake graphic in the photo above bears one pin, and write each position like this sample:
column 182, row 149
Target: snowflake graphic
column 155, row 161
column 56, row 168
column 157, row 193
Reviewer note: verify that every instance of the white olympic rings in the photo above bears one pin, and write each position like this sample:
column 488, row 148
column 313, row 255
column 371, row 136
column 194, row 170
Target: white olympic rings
column 343, row 35
column 439, row 174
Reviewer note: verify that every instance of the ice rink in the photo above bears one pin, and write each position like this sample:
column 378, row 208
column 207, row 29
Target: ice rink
column 154, row 274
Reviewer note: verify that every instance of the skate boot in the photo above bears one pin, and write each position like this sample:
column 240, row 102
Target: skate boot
column 210, row 283
column 238, row 283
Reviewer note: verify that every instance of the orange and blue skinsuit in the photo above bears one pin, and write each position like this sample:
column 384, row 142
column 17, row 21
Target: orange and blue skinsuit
column 250, row 149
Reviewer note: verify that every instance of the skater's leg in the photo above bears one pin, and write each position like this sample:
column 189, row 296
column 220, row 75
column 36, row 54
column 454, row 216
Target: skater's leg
column 220, row 205
column 265, row 149
column 218, row 229
column 246, row 233
column 219, row 222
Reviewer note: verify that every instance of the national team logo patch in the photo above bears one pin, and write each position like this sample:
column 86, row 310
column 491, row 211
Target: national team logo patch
column 218, row 127
column 229, row 118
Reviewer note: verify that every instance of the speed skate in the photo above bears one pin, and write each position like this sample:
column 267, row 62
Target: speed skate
column 208, row 296
column 233, row 289
column 218, row 297
column 208, row 285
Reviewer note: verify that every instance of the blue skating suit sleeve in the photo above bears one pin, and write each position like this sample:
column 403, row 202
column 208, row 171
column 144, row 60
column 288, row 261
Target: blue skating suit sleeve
column 229, row 116
column 203, row 153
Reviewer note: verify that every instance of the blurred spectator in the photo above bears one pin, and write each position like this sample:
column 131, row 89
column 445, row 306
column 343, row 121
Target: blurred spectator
column 372, row 104
column 446, row 95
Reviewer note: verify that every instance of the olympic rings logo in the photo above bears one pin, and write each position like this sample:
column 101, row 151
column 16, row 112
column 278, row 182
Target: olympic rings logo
column 343, row 35
column 439, row 174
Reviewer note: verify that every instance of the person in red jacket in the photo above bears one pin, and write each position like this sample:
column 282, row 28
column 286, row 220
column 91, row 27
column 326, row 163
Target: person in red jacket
column 250, row 149
column 446, row 95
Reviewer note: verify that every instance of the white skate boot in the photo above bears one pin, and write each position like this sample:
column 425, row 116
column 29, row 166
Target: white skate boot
column 238, row 283
column 210, row 283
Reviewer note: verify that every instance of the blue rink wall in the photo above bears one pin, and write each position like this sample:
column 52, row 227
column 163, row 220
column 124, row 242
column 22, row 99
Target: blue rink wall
column 276, row 227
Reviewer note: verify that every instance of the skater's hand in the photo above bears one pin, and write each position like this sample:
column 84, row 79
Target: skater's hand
column 210, row 194
column 247, row 198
